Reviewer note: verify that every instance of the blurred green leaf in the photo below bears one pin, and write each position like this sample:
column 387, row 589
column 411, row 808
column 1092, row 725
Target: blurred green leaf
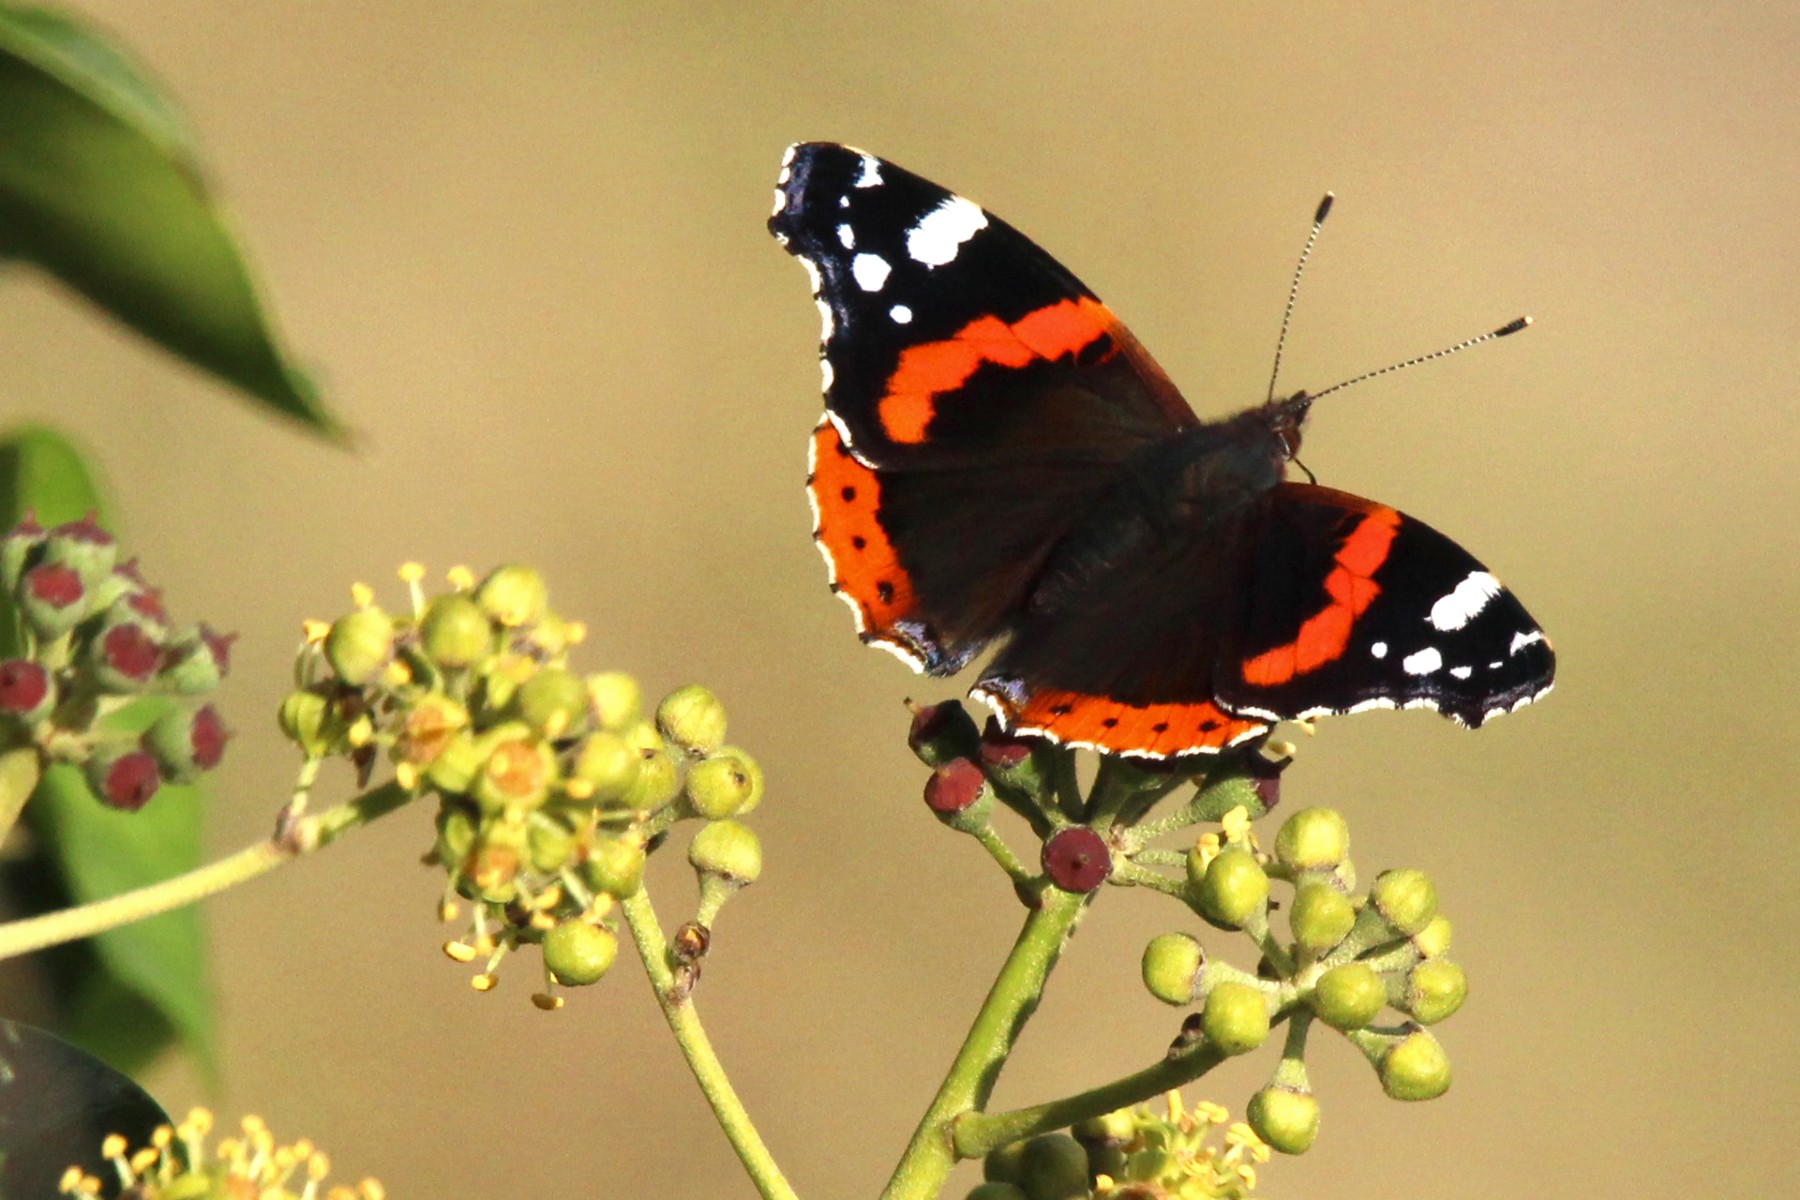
column 129, row 993
column 101, row 184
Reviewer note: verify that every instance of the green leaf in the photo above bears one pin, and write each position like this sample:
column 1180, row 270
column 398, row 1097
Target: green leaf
column 101, row 185
column 129, row 993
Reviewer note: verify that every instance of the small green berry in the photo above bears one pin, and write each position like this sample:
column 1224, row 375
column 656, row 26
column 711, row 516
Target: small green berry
column 1235, row 1018
column 1171, row 967
column 1434, row 939
column 457, row 827
column 718, row 787
column 513, row 596
column 549, row 844
column 1348, row 996
column 693, row 718
column 1405, row 899
column 605, row 766
column 1005, row 1164
column 614, row 867
column 454, row 769
column 1415, row 1068
column 1321, row 916
column 359, row 645
column 616, row 700
column 1055, row 1167
column 658, row 781
column 1286, row 1119
column 752, row 771
column 304, row 718
column 1435, row 989
column 727, row 849
column 454, row 632
column 1230, row 888
column 1313, row 839
column 578, row 953
column 554, row 702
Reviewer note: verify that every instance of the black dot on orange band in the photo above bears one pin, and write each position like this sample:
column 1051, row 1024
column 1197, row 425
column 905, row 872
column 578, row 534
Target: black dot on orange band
column 1110, row 722
column 1160, row 727
column 849, row 493
column 885, row 590
column 860, row 542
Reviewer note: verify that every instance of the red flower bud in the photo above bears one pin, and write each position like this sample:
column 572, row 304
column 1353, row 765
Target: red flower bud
column 953, row 787
column 24, row 687
column 1077, row 859
column 125, row 782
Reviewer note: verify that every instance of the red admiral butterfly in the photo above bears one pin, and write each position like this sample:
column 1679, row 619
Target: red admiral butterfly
column 1000, row 459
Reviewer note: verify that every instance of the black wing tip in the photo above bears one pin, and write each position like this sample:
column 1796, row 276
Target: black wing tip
column 1324, row 209
column 1513, row 326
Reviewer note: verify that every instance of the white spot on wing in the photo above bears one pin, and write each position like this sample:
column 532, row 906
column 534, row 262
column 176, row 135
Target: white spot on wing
column 847, row 236
column 941, row 232
column 870, row 175
column 826, row 322
column 826, row 375
column 780, row 203
column 871, row 271
column 1379, row 649
column 1424, row 662
column 902, row 315
column 1462, row 672
column 1522, row 640
column 1464, row 601
column 812, row 273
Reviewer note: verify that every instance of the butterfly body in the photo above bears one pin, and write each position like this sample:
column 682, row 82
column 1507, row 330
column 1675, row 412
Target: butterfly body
column 1002, row 464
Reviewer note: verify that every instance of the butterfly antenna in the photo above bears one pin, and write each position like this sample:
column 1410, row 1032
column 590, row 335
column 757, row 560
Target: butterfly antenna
column 1511, row 327
column 1319, row 216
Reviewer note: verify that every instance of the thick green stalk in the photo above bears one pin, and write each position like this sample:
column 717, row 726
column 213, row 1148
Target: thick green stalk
column 1010, row 1002
column 20, row 769
column 696, row 1047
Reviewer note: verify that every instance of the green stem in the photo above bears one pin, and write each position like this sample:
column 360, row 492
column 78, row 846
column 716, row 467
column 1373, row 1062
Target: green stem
column 20, row 769
column 1009, row 1004
column 1129, row 874
column 684, row 1023
column 307, row 835
column 1002, row 853
column 978, row 1133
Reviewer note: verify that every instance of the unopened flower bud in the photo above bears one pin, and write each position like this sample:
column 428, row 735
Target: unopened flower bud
column 1285, row 1118
column 1313, row 839
column 513, row 596
column 718, row 787
column 1010, row 760
column 26, row 690
column 753, row 772
column 52, row 599
column 1435, row 989
column 549, row 845
column 1321, row 916
column 578, row 953
column 454, row 632
column 303, row 718
column 658, row 781
column 606, row 766
column 197, row 660
column 1005, row 1164
column 458, row 762
column 1405, row 898
column 1171, row 967
column 1230, row 888
column 1227, row 788
column 1415, row 1067
column 123, row 777
column 1055, row 1168
column 359, row 645
column 957, row 793
column 553, row 702
column 83, row 547
column 1077, row 859
column 1434, row 939
column 457, row 826
column 614, row 867
column 941, row 732
column 124, row 658
column 185, row 744
column 18, row 547
column 727, row 849
column 616, row 700
column 692, row 717
column 1348, row 996
column 1235, row 1018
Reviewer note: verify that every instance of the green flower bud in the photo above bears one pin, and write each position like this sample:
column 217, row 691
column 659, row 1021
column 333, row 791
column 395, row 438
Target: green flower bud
column 517, row 772
column 1116, row 1128
column 1171, row 967
column 457, row 764
column 83, row 547
column 196, row 661
column 718, row 787
column 578, row 953
column 998, row 1191
column 693, row 718
column 427, row 728
column 658, row 781
column 304, row 717
column 454, row 632
column 501, row 676
column 614, row 867
column 1235, row 1018
column 1286, row 1119
column 752, row 771
column 1055, row 1167
column 1313, row 839
column 727, row 849
column 553, row 702
column 1435, row 988
column 1415, row 1067
column 17, row 548
column 457, row 826
column 52, row 599
column 1005, row 1164
column 1321, row 916
column 1434, row 939
column 513, row 596
column 359, row 645
column 1229, row 888
column 549, row 844
column 643, row 738
column 1225, row 790
column 617, row 702
column 1405, row 899
column 605, row 767
column 941, row 732
column 186, row 744
column 1348, row 996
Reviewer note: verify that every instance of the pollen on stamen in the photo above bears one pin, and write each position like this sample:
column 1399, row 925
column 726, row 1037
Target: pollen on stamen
column 578, row 789
column 575, row 632
column 460, row 578
column 314, row 631
column 546, row 1001
column 406, row 775
column 398, row 674
column 460, row 952
column 362, row 595
column 484, row 982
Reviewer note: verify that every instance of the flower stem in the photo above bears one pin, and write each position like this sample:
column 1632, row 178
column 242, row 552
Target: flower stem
column 308, row 835
column 20, row 769
column 978, row 1133
column 1009, row 1004
column 684, row 1023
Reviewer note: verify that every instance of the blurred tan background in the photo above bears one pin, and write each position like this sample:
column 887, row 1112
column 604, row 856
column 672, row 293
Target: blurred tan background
column 523, row 247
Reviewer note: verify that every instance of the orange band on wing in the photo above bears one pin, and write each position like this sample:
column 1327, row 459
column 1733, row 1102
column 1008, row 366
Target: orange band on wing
column 1352, row 589
column 1158, row 730
column 927, row 371
column 864, row 569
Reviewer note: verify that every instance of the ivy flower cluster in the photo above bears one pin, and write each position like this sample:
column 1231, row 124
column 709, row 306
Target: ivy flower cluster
column 177, row 1165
